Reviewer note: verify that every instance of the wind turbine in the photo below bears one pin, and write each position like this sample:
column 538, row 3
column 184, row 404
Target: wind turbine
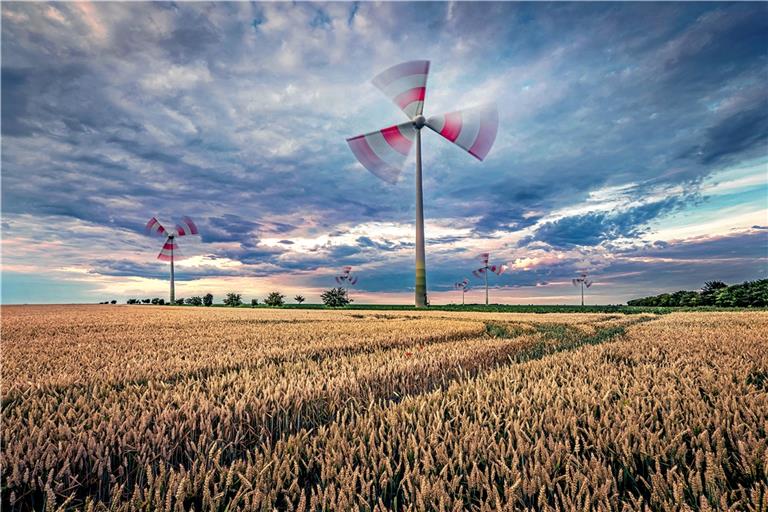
column 463, row 286
column 483, row 271
column 384, row 152
column 346, row 279
column 170, row 248
column 583, row 281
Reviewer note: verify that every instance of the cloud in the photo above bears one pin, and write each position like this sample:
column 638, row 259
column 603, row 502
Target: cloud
column 594, row 228
column 236, row 114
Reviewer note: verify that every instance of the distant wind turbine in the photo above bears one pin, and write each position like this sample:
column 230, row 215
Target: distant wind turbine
column 346, row 279
column 384, row 152
column 583, row 281
column 483, row 271
column 463, row 286
column 170, row 250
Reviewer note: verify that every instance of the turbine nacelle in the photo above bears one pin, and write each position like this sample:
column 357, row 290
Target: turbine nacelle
column 419, row 122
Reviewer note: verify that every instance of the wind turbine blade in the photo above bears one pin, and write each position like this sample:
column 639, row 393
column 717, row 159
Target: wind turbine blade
column 575, row 282
column 384, row 152
column 169, row 245
column 406, row 85
column 186, row 227
column 588, row 284
column 353, row 280
column 473, row 130
column 154, row 227
column 479, row 272
column 484, row 258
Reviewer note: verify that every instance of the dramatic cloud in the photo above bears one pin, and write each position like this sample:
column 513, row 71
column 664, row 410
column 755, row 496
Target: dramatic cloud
column 622, row 127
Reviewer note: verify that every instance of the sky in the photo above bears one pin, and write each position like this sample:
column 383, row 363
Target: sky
column 632, row 144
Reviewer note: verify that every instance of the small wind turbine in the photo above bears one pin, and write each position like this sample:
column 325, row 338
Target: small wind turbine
column 346, row 279
column 170, row 249
column 483, row 271
column 583, row 281
column 384, row 152
column 463, row 286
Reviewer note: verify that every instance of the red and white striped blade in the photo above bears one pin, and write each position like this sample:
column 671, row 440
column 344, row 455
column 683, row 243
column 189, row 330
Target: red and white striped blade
column 154, row 227
column 484, row 258
column 479, row 272
column 499, row 269
column 353, row 280
column 186, row 227
column 473, row 130
column 383, row 152
column 406, row 85
column 170, row 246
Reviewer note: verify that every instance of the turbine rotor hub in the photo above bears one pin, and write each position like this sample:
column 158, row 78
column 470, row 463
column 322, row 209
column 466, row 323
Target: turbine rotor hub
column 419, row 122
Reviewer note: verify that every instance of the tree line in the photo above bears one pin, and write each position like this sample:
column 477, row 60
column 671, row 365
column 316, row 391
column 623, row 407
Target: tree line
column 749, row 294
column 335, row 297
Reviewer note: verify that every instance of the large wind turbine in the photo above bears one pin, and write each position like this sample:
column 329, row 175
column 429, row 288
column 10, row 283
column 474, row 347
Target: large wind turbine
column 384, row 152
column 170, row 248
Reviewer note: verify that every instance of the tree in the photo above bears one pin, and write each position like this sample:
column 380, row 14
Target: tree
column 145, row 301
column 179, row 301
column 155, row 301
column 233, row 300
column 299, row 299
column 254, row 302
column 275, row 299
column 194, row 301
column 132, row 301
column 335, row 297
column 113, row 301
column 161, row 302
column 710, row 292
column 208, row 300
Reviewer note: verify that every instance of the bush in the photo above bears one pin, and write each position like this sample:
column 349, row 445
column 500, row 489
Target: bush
column 275, row 299
column 194, row 301
column 113, row 301
column 207, row 300
column 132, row 301
column 336, row 298
column 254, row 302
column 233, row 300
column 299, row 299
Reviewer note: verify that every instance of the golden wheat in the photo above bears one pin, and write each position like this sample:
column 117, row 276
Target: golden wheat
column 213, row 409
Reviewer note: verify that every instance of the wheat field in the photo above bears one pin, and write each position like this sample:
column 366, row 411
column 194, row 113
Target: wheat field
column 161, row 408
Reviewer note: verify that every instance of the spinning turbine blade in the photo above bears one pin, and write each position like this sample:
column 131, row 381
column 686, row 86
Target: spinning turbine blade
column 383, row 152
column 405, row 84
column 154, row 227
column 165, row 252
column 473, row 130
column 186, row 227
